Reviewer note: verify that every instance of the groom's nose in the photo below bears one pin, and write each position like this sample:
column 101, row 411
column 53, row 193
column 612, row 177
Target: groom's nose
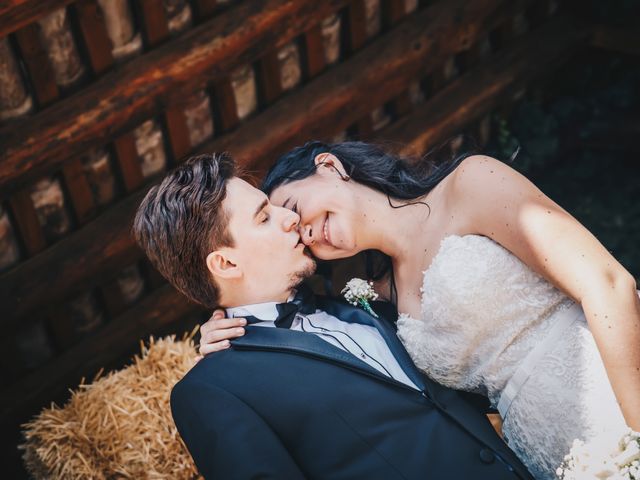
column 291, row 220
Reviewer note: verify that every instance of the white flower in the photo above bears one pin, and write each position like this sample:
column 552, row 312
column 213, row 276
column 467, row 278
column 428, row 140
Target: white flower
column 358, row 292
column 592, row 461
column 358, row 289
column 629, row 456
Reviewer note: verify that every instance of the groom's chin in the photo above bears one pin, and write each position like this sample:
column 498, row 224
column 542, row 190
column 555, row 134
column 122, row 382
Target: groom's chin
column 304, row 273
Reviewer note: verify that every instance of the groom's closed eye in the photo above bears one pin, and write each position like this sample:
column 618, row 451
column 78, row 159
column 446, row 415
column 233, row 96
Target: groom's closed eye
column 260, row 208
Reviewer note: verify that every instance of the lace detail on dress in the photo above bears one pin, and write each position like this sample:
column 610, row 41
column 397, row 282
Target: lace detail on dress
column 483, row 311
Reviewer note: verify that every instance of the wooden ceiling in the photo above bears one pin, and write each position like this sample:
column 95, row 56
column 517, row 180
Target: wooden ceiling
column 103, row 96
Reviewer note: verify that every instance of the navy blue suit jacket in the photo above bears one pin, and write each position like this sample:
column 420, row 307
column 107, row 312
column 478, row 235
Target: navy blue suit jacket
column 282, row 404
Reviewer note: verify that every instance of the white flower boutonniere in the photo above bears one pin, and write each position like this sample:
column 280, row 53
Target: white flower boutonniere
column 358, row 292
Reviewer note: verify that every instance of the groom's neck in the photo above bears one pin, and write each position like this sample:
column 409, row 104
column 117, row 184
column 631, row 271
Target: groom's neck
column 242, row 300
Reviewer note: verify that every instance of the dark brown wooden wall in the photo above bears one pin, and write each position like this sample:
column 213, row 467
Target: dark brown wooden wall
column 100, row 97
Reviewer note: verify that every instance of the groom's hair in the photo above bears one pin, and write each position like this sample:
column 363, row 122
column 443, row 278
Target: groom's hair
column 182, row 219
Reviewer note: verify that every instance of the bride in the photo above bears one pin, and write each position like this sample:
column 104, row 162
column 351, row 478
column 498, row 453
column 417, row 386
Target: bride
column 500, row 291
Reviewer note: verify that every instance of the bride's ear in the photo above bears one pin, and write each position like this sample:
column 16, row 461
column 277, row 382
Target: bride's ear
column 221, row 264
column 327, row 163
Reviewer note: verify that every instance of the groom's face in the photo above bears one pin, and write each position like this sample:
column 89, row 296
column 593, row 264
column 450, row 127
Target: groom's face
column 267, row 245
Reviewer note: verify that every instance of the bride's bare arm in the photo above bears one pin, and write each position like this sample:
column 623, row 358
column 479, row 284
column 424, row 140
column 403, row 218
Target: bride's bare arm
column 494, row 200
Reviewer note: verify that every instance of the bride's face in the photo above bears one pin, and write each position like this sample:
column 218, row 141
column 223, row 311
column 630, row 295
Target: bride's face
column 329, row 209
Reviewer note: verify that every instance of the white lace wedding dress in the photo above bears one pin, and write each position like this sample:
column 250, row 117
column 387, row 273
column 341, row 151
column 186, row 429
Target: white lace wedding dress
column 490, row 324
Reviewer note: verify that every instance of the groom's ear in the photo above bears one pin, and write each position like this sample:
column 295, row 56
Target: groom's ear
column 221, row 263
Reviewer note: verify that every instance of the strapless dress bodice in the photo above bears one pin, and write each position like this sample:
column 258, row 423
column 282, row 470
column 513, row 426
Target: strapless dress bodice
column 484, row 316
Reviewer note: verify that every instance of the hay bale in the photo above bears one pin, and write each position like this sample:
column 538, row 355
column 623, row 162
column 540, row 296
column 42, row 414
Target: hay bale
column 118, row 426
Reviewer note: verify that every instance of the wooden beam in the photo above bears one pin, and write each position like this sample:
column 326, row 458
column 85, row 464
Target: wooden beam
column 121, row 99
column 61, row 327
column 313, row 60
column 176, row 125
column 362, row 129
column 376, row 74
column 96, row 251
column 392, row 11
column 112, row 298
column 450, row 110
column 118, row 338
column 15, row 14
column 401, row 105
column 205, row 8
column 225, row 110
column 354, row 36
column 94, row 35
column 327, row 105
column 42, row 78
column 79, row 191
column 128, row 162
column 355, row 26
column 38, row 65
column 155, row 26
column 268, row 78
column 480, row 90
column 26, row 220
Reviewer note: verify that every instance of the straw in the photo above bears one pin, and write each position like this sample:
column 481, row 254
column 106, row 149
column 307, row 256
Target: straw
column 118, row 426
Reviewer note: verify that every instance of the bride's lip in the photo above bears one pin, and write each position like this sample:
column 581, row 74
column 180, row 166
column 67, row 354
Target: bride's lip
column 326, row 232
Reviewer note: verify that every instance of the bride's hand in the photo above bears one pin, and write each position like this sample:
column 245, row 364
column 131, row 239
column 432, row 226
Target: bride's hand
column 216, row 332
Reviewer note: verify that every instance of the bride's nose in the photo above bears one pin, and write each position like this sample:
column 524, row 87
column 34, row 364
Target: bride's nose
column 306, row 234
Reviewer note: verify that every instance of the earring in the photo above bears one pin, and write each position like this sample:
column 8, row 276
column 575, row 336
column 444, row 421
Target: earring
column 344, row 177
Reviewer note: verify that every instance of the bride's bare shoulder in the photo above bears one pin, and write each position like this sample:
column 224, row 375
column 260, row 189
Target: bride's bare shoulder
column 449, row 195
column 481, row 171
column 480, row 180
column 477, row 166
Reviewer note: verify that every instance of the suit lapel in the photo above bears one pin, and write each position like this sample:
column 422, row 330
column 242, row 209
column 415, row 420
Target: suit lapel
column 282, row 339
column 352, row 314
column 448, row 400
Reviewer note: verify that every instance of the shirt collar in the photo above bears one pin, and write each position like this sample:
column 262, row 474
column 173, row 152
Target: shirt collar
column 264, row 311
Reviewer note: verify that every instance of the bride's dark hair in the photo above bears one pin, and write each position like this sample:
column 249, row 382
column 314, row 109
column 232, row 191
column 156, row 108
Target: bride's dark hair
column 400, row 178
column 403, row 178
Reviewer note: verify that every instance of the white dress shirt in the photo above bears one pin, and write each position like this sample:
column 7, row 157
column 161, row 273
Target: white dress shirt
column 362, row 341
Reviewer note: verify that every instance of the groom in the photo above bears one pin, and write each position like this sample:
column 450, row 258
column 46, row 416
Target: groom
column 316, row 388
